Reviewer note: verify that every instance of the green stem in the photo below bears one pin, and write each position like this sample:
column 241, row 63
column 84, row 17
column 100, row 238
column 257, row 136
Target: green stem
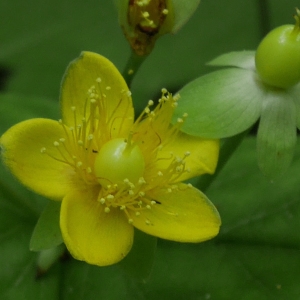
column 264, row 16
column 227, row 149
column 133, row 64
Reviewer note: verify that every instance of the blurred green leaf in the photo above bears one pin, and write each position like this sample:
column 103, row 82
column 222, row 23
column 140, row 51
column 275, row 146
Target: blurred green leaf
column 220, row 104
column 255, row 210
column 47, row 232
column 15, row 108
column 138, row 263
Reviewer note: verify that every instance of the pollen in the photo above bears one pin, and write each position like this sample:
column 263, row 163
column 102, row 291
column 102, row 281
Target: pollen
column 102, row 200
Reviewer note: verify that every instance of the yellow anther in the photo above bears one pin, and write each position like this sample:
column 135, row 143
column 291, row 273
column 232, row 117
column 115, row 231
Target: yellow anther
column 101, row 200
column 107, row 210
column 142, row 180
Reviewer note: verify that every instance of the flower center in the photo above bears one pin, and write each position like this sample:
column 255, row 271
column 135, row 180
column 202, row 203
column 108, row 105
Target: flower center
column 118, row 160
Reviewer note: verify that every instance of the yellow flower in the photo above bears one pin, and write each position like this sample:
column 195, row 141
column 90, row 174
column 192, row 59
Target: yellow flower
column 110, row 172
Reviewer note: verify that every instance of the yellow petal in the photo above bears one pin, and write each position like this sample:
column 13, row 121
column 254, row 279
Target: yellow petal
column 21, row 151
column 115, row 104
column 183, row 215
column 92, row 235
column 203, row 156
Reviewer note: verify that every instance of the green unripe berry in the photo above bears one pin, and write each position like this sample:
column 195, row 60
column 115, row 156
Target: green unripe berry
column 118, row 160
column 277, row 57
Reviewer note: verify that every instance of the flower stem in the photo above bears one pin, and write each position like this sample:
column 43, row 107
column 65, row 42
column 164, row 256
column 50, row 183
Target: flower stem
column 227, row 149
column 264, row 16
column 133, row 64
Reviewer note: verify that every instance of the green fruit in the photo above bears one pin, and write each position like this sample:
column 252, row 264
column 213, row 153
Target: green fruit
column 277, row 57
column 119, row 160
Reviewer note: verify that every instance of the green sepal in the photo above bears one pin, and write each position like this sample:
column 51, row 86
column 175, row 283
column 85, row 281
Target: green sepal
column 47, row 258
column 220, row 104
column 295, row 93
column 277, row 135
column 183, row 10
column 241, row 59
column 139, row 262
column 46, row 233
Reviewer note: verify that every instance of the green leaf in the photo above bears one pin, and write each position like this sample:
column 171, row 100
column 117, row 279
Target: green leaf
column 138, row 263
column 225, row 271
column 277, row 135
column 183, row 10
column 16, row 108
column 254, row 210
column 220, row 104
column 241, row 59
column 47, row 232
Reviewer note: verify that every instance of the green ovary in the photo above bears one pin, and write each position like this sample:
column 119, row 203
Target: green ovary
column 118, row 160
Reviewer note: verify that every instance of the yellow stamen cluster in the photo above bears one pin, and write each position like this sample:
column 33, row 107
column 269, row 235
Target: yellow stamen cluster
column 81, row 148
column 149, row 14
